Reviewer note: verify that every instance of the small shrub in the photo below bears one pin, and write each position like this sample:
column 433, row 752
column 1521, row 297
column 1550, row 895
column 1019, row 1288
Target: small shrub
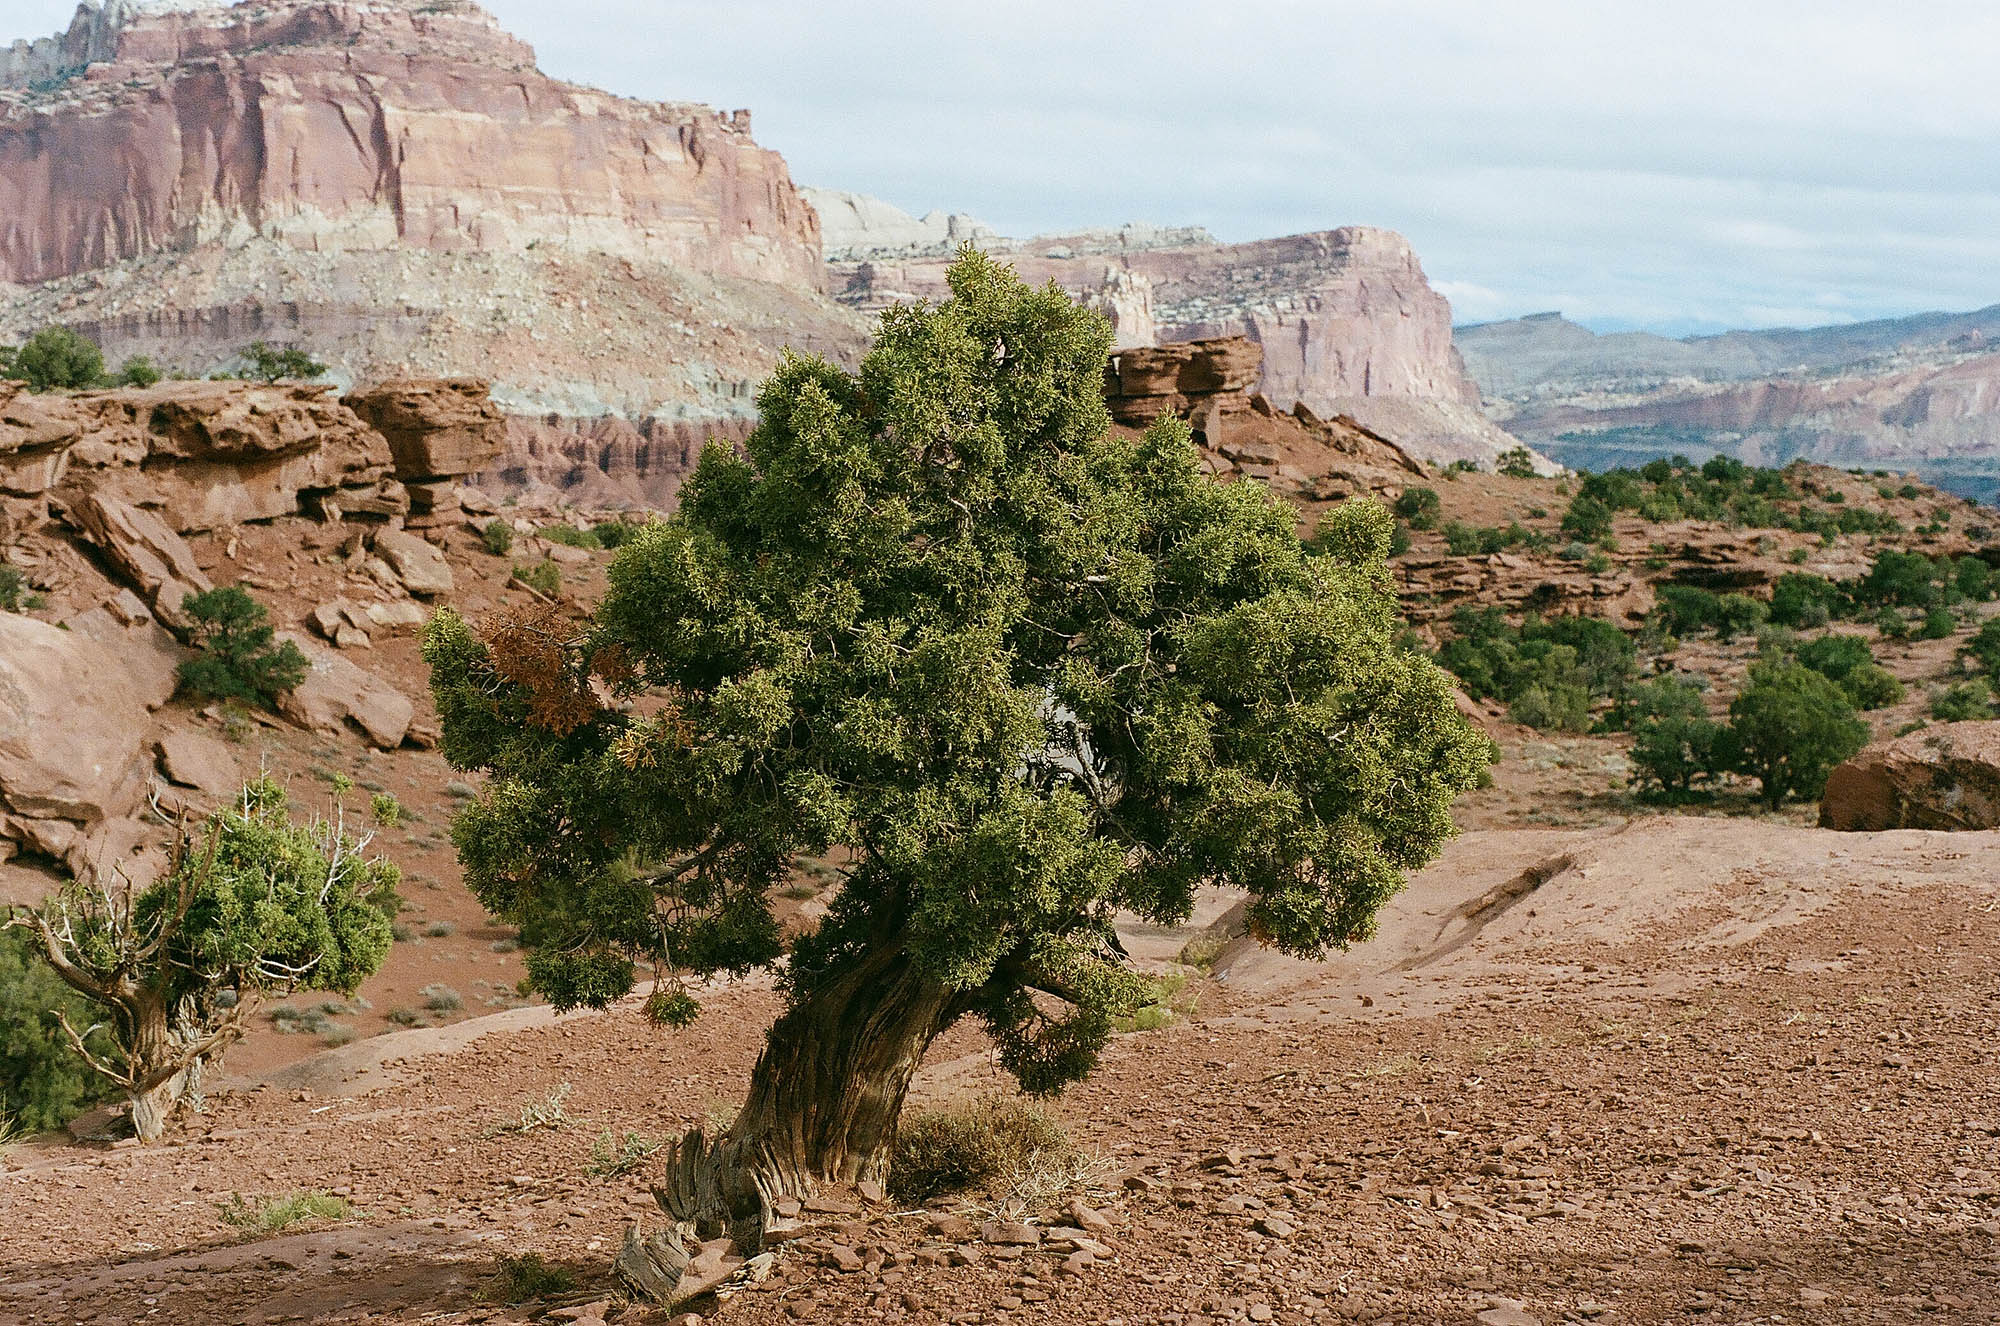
column 279, row 1213
column 615, row 533
column 610, row 1156
column 43, row 1082
column 527, row 1277
column 439, row 998
column 388, row 811
column 1675, row 745
column 1515, row 463
column 1552, row 708
column 545, row 579
column 1587, row 518
column 264, row 362
column 1962, row 702
column 58, row 359
column 405, row 1017
column 548, row 1112
column 137, row 371
column 238, row 658
column 1738, row 614
column 1938, row 625
column 1984, row 646
column 572, row 537
column 1418, row 507
column 940, row 1153
column 498, row 537
column 440, row 930
column 15, row 596
column 1803, row 601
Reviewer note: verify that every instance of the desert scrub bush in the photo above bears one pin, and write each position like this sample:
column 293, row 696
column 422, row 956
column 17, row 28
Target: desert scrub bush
column 1167, row 1000
column 978, row 1145
column 497, row 537
column 527, row 1277
column 548, row 1112
column 1515, row 463
column 15, row 596
column 44, row 1083
column 1418, row 507
column 1550, row 672
column 545, row 578
column 616, row 533
column 1938, row 624
column 237, row 657
column 388, row 811
column 251, row 905
column 440, row 998
column 280, row 1213
column 440, row 930
column 1962, row 701
column 1848, row 662
column 1790, row 726
column 1802, row 601
column 1677, row 749
column 572, row 537
column 611, row 1156
column 264, row 362
column 57, row 359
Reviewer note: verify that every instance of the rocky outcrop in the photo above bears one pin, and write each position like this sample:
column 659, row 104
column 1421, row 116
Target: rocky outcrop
column 439, row 431
column 1199, row 380
column 337, row 694
column 335, row 124
column 1942, row 777
column 854, row 226
column 606, row 463
column 200, row 454
column 1348, row 322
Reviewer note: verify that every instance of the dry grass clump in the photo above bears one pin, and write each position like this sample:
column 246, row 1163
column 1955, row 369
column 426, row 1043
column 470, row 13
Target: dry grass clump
column 279, row 1213
column 1010, row 1149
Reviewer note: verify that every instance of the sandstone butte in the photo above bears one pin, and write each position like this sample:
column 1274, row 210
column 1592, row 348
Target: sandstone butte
column 394, row 184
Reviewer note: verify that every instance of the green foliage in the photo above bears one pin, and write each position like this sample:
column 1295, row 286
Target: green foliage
column 1418, row 507
column 137, row 371
column 1550, row 672
column 281, row 1213
column 1025, row 672
column 1675, row 745
column 942, row 1153
column 238, row 658
column 1687, row 609
column 1801, row 600
column 1847, row 662
column 15, row 596
column 1963, row 701
column 527, row 1277
column 1791, row 727
column 1938, row 624
column 1973, row 579
column 1899, row 579
column 498, row 537
column 1984, row 646
column 264, row 362
column 1738, row 614
column 1588, row 517
column 43, row 1082
column 1515, row 463
column 1463, row 540
column 572, row 537
column 545, row 578
column 388, row 811
column 57, row 359
column 610, row 1156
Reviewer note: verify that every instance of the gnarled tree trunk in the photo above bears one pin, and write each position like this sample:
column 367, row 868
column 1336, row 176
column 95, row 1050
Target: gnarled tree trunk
column 823, row 1104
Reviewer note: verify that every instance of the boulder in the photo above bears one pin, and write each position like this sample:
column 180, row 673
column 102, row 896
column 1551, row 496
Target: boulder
column 336, row 693
column 197, row 760
column 1946, row 776
column 145, row 550
column 437, row 428
column 72, row 724
column 419, row 565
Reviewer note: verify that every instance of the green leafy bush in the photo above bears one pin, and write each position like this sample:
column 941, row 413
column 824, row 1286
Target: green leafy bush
column 1790, row 727
column 498, row 537
column 44, row 1083
column 238, row 656
column 15, row 596
column 1675, row 744
column 1984, row 646
column 545, row 578
column 1550, row 672
column 1587, row 518
column 1963, row 701
column 1515, row 463
column 58, row 359
column 1418, row 507
column 1938, row 624
column 572, row 537
column 527, row 1277
column 264, row 362
column 281, row 1213
column 137, row 371
column 1738, row 614
column 1802, row 601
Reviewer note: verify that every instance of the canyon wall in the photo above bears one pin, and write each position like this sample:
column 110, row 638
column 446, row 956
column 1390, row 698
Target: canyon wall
column 329, row 126
column 1347, row 321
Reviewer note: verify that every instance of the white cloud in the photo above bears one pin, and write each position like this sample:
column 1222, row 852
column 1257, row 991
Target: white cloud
column 1672, row 163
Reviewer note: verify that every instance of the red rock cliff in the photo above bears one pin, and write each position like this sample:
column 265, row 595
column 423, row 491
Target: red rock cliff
column 339, row 126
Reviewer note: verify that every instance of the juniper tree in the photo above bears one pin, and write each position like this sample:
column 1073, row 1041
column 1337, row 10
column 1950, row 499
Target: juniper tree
column 1011, row 672
column 253, row 904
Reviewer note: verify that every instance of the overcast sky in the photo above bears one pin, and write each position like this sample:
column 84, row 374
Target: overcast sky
column 1673, row 164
